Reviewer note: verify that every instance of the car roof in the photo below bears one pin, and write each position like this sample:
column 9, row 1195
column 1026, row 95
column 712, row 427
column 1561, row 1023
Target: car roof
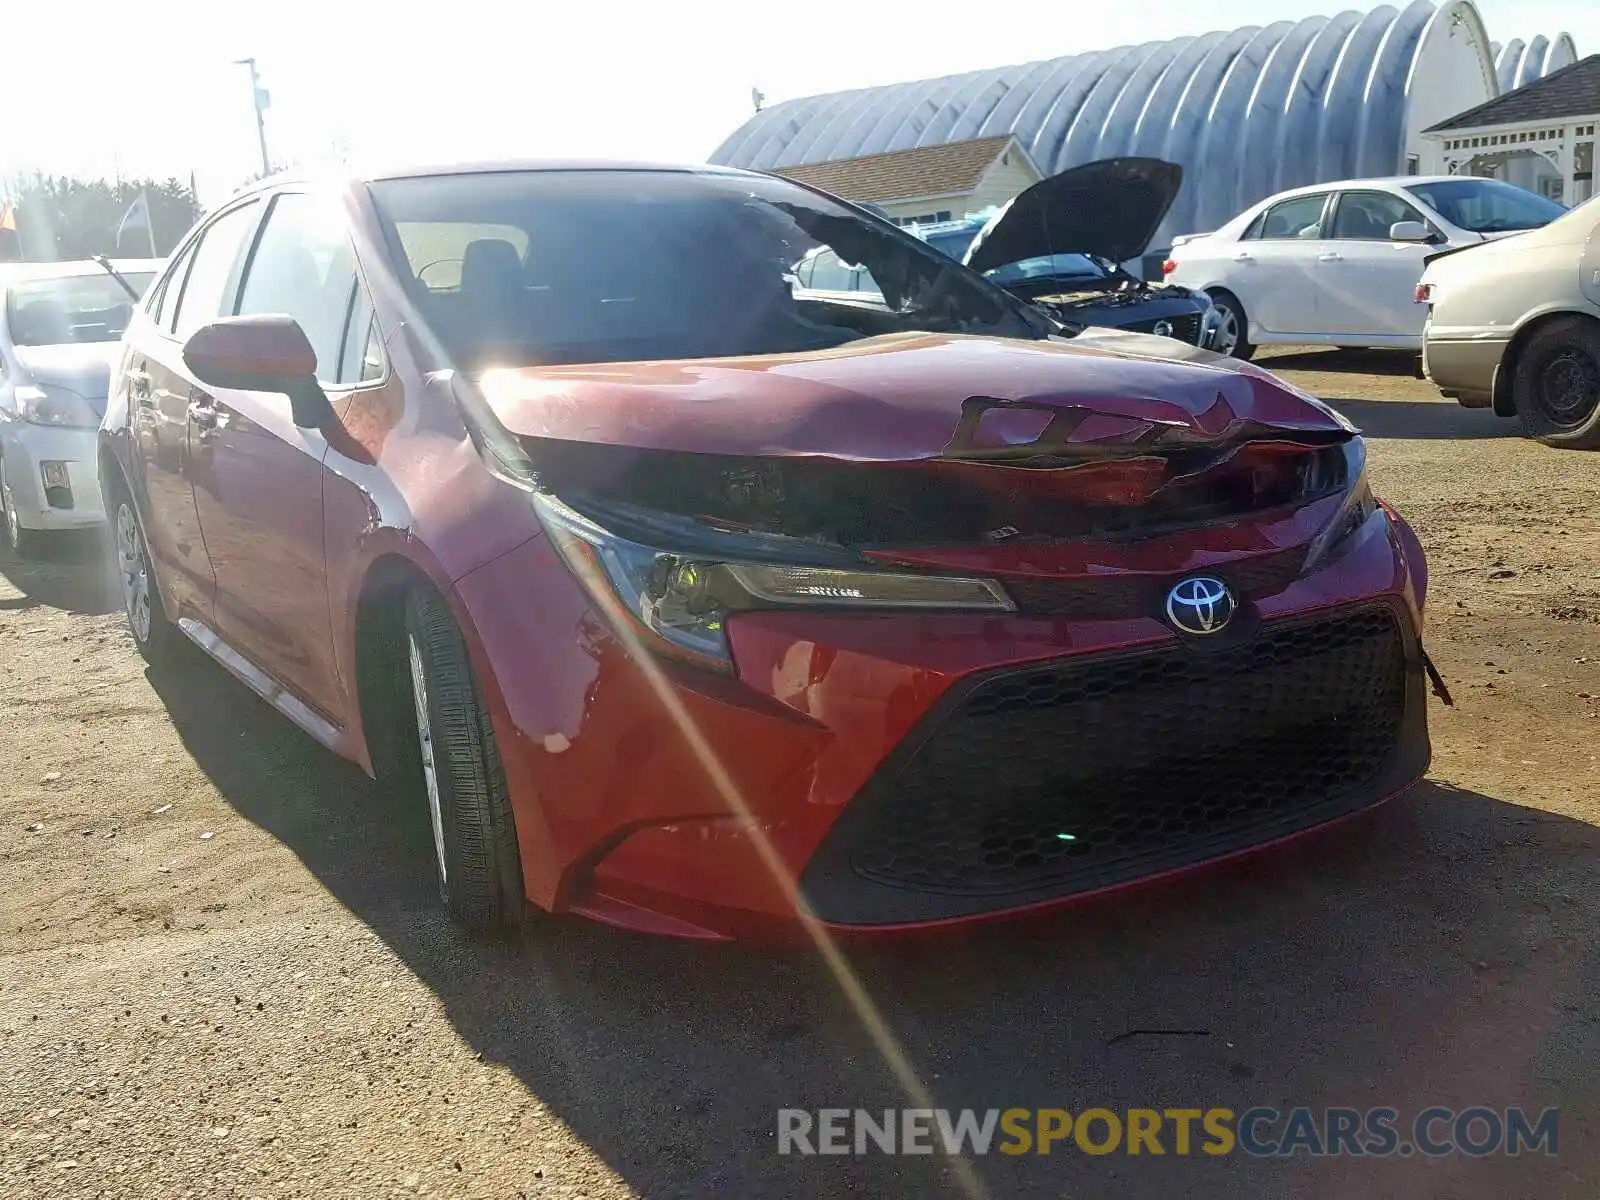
column 486, row 167
column 1372, row 181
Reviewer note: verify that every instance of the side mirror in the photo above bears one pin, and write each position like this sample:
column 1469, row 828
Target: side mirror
column 1409, row 231
column 267, row 353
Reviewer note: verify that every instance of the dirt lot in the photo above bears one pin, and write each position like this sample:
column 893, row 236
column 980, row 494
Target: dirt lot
column 224, row 975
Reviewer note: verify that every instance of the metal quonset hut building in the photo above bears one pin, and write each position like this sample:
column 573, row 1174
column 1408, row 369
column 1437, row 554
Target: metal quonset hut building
column 1247, row 113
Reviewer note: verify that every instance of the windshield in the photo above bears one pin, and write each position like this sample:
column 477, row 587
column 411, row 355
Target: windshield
column 952, row 244
column 519, row 268
column 1486, row 205
column 71, row 308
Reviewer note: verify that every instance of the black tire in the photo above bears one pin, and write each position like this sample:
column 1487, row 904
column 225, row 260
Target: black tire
column 1234, row 326
column 22, row 543
column 135, row 579
column 1556, row 384
column 479, row 867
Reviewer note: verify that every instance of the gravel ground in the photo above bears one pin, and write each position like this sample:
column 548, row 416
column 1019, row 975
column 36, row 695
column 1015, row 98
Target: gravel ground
column 224, row 974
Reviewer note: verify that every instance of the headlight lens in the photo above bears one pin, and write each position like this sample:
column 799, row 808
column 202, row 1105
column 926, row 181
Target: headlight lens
column 1354, row 511
column 42, row 404
column 680, row 601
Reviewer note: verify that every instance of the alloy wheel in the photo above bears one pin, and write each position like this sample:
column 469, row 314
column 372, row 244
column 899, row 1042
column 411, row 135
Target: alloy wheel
column 133, row 570
column 13, row 522
column 1227, row 330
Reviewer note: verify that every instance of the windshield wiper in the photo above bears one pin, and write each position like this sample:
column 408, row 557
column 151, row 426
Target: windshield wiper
column 104, row 262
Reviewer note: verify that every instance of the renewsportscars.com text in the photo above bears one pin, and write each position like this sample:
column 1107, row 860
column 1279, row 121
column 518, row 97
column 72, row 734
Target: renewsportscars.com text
column 1259, row 1132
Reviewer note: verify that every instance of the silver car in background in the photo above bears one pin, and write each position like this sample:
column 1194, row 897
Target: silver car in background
column 60, row 328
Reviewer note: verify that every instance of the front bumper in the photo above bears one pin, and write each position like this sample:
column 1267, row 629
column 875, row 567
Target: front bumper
column 882, row 773
column 26, row 449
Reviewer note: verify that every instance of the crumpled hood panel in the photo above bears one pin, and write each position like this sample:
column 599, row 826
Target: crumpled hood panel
column 903, row 398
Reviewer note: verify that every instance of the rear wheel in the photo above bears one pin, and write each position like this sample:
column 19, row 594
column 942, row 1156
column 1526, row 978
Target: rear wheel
column 1556, row 384
column 153, row 634
column 1233, row 331
column 474, row 835
column 23, row 543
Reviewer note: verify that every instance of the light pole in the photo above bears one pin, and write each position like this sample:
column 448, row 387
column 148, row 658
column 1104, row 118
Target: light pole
column 259, row 99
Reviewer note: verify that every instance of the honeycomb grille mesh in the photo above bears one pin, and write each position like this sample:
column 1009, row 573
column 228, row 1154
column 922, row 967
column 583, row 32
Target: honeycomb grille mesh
column 1080, row 774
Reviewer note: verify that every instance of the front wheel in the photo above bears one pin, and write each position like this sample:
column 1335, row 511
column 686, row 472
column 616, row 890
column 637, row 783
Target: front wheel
column 153, row 634
column 23, row 543
column 474, row 834
column 1233, row 331
column 1556, row 384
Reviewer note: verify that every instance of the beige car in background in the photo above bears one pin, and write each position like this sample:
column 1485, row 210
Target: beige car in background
column 1514, row 325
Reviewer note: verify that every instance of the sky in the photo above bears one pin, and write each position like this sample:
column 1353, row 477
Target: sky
column 149, row 87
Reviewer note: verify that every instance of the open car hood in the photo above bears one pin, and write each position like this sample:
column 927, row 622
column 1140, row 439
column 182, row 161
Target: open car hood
column 1110, row 209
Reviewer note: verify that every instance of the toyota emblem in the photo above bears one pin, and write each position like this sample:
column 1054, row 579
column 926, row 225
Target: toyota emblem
column 1200, row 605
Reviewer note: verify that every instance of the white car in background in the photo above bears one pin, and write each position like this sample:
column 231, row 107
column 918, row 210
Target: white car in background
column 1337, row 264
column 60, row 330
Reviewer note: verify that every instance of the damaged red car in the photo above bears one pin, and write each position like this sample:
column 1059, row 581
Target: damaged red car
column 694, row 601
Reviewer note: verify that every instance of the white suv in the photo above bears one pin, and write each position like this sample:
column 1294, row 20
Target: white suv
column 1338, row 263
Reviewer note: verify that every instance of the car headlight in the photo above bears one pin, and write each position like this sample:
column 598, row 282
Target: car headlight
column 1354, row 511
column 42, row 404
column 678, row 600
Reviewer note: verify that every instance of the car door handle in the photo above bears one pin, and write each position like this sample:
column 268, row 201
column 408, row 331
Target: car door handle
column 1242, row 256
column 1330, row 257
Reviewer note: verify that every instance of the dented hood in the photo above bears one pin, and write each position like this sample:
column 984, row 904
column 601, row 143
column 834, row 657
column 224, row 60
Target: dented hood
column 1110, row 209
column 910, row 397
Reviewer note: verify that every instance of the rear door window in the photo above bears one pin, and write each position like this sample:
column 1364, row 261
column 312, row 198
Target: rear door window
column 1299, row 217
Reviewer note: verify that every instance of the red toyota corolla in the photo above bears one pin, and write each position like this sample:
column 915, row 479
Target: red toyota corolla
column 693, row 599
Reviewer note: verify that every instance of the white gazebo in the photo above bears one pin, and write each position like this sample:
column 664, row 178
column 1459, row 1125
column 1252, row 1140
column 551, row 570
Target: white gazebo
column 1541, row 135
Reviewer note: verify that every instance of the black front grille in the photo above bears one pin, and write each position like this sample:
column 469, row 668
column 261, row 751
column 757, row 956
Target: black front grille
column 1090, row 772
column 1133, row 596
column 1185, row 327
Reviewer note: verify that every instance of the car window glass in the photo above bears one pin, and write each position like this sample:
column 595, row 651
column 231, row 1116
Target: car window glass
column 167, row 303
column 828, row 274
column 1487, row 205
column 361, row 359
column 1367, row 216
column 1294, row 218
column 60, row 310
column 438, row 249
column 624, row 265
column 303, row 266
column 206, row 290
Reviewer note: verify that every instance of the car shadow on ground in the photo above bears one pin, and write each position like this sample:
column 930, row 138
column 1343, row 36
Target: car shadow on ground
column 1431, row 952
column 1407, row 419
column 1401, row 363
column 72, row 572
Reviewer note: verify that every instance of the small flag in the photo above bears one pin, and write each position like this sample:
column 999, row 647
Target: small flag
column 138, row 217
column 8, row 216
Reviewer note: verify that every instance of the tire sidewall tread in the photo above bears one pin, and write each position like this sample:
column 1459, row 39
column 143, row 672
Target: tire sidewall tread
column 483, row 888
column 1560, row 333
